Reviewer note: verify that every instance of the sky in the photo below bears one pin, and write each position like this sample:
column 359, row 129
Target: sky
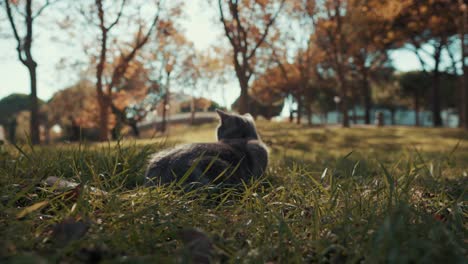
column 48, row 51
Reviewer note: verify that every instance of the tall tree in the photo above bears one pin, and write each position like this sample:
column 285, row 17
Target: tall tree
column 73, row 108
column 301, row 17
column 387, row 91
column 201, row 72
column 277, row 83
column 371, row 36
column 106, row 27
column 247, row 24
column 330, row 36
column 170, row 61
column 416, row 84
column 355, row 37
column 25, row 15
column 428, row 25
column 128, row 98
column 462, row 27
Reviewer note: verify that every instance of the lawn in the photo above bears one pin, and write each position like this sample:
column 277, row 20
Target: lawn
column 331, row 195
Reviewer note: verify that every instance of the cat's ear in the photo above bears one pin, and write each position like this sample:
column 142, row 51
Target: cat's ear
column 223, row 115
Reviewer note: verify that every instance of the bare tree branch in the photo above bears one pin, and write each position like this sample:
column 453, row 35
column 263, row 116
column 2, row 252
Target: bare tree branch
column 418, row 55
column 88, row 17
column 453, row 60
column 101, row 15
column 265, row 33
column 41, row 9
column 126, row 59
column 118, row 16
column 223, row 20
column 241, row 33
column 16, row 7
column 15, row 32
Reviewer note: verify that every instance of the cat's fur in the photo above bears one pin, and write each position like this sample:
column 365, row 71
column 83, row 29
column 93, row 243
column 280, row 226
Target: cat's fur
column 239, row 155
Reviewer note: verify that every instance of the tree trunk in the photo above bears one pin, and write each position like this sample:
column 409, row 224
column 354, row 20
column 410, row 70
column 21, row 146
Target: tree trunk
column 339, row 62
column 192, row 111
column 116, row 131
column 299, row 110
column 101, row 97
column 24, row 47
column 309, row 115
column 136, row 131
column 164, row 112
column 354, row 109
column 244, row 96
column 269, row 114
column 416, row 109
column 464, row 78
column 166, row 103
column 103, row 116
column 465, row 95
column 32, row 65
column 436, row 100
column 47, row 132
column 367, row 99
column 344, row 110
column 437, row 119
column 459, row 82
column 461, row 104
column 392, row 116
column 74, row 129
column 12, row 130
column 34, row 121
column 344, row 95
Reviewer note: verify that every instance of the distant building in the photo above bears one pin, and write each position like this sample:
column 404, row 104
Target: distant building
column 403, row 117
column 177, row 111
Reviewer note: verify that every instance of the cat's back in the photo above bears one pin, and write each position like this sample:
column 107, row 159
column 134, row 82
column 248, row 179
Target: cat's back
column 253, row 146
column 251, row 155
column 258, row 149
column 254, row 154
column 239, row 155
column 258, row 152
column 184, row 154
column 164, row 164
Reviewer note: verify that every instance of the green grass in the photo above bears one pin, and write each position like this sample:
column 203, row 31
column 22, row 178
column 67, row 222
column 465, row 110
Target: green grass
column 331, row 195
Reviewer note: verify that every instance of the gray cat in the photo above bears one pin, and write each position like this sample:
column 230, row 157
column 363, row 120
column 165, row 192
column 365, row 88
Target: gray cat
column 239, row 155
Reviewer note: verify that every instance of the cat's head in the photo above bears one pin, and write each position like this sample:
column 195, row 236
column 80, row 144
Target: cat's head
column 233, row 126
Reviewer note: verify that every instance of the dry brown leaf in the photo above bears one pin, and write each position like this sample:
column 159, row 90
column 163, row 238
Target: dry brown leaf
column 31, row 209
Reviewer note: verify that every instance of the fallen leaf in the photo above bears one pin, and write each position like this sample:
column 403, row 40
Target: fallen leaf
column 66, row 185
column 31, row 209
column 97, row 192
column 59, row 184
